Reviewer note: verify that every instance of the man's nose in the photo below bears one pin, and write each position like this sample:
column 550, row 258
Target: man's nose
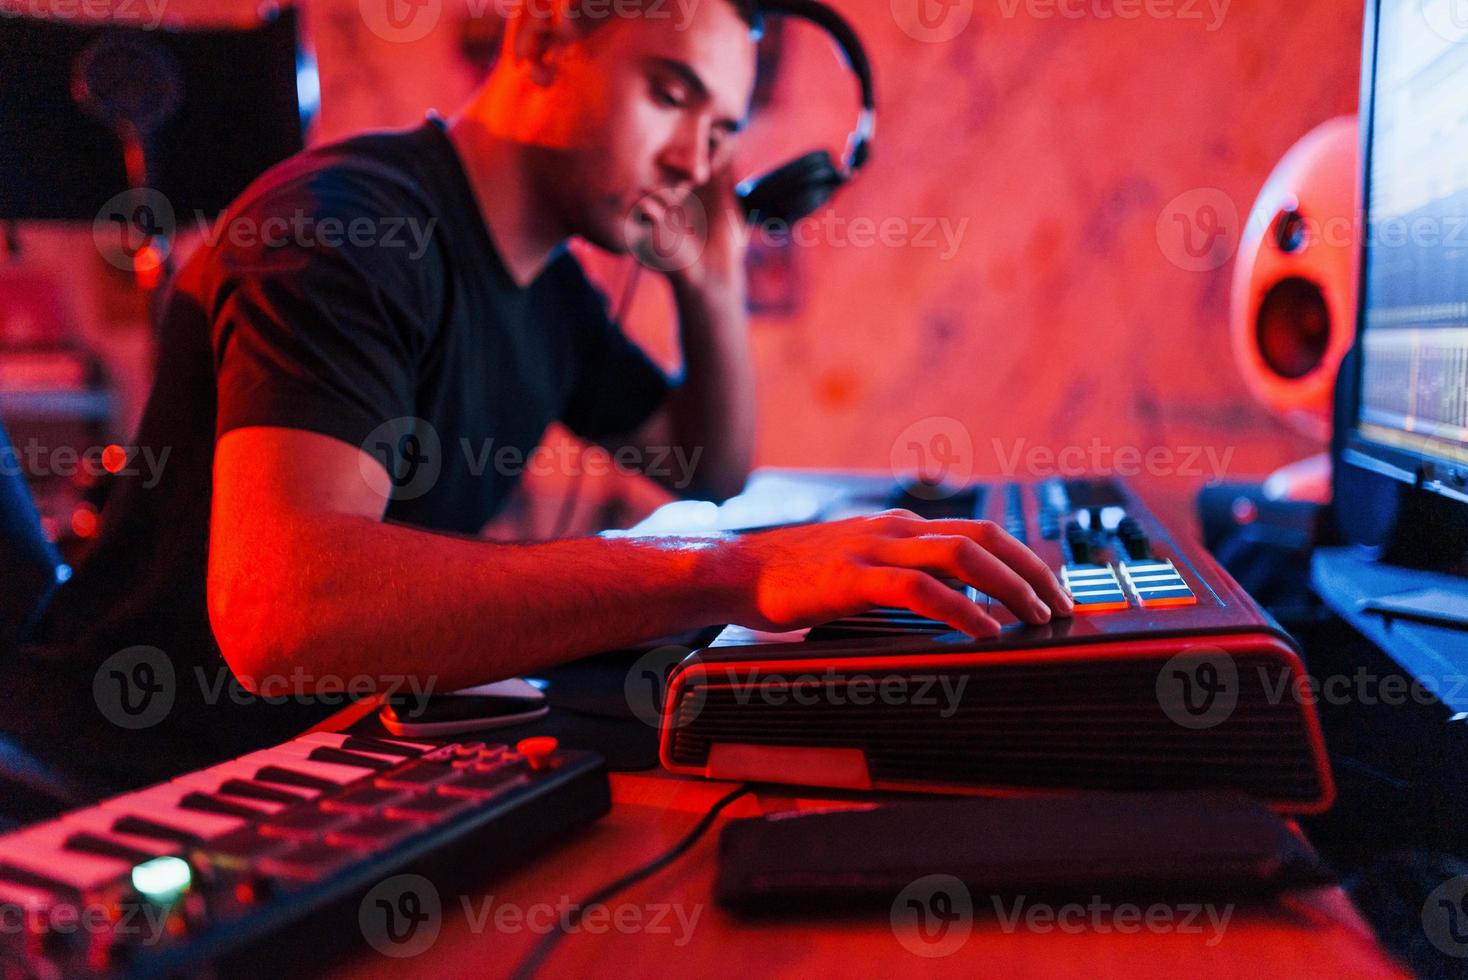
column 687, row 156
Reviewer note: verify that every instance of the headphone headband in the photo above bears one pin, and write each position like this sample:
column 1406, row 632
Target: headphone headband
column 851, row 48
column 798, row 188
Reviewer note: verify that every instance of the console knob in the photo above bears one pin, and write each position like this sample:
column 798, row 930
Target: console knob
column 538, row 750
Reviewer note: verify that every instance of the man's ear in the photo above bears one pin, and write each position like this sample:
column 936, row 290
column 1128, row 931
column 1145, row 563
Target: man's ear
column 539, row 32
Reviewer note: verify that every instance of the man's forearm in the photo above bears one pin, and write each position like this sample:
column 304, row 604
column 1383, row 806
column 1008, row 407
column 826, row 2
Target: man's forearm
column 350, row 596
column 712, row 411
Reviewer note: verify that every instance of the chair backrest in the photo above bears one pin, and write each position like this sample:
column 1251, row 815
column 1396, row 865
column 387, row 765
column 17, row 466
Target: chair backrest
column 29, row 564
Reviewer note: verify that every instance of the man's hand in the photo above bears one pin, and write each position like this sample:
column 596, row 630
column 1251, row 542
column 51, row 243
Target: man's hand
column 802, row 576
column 713, row 222
column 710, row 415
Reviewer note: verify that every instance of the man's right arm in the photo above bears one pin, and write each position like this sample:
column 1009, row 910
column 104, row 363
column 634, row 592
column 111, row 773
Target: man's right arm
column 305, row 575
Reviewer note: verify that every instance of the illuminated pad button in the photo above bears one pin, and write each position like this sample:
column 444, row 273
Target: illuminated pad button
column 1157, row 584
column 1094, row 588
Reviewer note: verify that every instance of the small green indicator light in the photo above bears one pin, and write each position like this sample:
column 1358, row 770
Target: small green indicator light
column 162, row 878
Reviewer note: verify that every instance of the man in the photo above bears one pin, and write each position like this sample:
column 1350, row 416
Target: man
column 302, row 387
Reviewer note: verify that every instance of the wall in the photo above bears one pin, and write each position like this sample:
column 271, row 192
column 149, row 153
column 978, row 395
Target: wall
column 1071, row 144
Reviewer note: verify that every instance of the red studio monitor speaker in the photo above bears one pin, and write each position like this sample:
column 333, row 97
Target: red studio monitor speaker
column 1294, row 291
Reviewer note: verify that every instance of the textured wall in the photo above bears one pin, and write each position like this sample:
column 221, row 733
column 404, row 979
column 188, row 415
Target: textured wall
column 1052, row 137
column 1049, row 141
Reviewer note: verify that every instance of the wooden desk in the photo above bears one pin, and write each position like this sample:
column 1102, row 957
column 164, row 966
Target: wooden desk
column 1312, row 934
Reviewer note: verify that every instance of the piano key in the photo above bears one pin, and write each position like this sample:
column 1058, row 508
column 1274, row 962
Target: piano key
column 285, row 758
column 343, row 757
column 294, row 778
column 160, row 804
column 338, row 741
column 215, row 803
column 399, row 748
column 21, row 877
column 349, row 766
column 251, row 790
column 102, row 823
column 84, row 842
column 238, row 781
column 143, row 827
column 41, row 850
column 211, row 779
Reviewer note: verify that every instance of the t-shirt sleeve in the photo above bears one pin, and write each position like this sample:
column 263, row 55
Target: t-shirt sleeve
column 319, row 329
column 617, row 386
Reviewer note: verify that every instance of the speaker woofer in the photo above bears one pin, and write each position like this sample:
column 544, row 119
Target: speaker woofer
column 1293, row 327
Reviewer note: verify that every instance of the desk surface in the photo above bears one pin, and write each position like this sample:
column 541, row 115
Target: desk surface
column 1436, row 656
column 1312, row 934
column 1315, row 933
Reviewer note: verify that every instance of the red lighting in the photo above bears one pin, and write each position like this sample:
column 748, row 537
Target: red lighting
column 84, row 521
column 148, row 266
column 114, row 458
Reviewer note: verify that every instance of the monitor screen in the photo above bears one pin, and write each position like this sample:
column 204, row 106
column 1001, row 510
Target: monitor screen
column 1412, row 406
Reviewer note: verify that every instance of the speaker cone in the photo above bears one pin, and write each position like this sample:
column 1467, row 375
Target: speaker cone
column 1293, row 327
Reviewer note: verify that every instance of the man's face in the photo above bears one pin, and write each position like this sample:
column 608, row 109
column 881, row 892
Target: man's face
column 648, row 107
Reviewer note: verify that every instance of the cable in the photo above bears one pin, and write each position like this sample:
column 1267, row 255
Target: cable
column 629, row 290
column 537, row 955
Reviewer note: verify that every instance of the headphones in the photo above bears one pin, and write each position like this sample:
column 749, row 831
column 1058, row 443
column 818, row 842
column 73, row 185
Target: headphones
column 796, row 189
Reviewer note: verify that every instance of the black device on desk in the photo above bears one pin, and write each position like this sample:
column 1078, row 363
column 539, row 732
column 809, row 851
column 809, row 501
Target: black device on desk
column 1168, row 677
column 286, row 846
column 1402, row 417
column 1400, row 449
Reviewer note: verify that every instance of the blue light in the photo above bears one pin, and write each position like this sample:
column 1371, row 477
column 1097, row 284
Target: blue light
column 308, row 86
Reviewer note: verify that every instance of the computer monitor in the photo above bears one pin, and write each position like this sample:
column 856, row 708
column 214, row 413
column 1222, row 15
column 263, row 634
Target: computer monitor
column 1410, row 417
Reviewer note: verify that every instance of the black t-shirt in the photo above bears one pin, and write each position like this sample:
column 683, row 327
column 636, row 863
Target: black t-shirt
column 353, row 291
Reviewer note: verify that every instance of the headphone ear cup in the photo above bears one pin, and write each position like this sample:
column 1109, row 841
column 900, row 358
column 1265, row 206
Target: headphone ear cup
column 793, row 190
